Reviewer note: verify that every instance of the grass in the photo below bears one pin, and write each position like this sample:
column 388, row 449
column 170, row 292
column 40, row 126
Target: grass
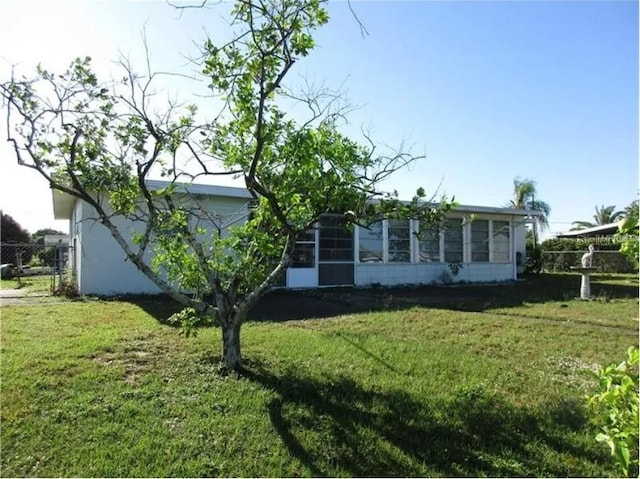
column 31, row 284
column 490, row 385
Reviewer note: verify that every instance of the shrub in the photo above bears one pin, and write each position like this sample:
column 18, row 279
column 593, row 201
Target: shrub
column 455, row 268
column 616, row 411
column 628, row 238
column 66, row 288
column 189, row 320
column 534, row 261
column 560, row 254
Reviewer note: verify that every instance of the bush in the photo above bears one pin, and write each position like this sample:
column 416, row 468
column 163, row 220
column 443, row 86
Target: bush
column 560, row 254
column 189, row 320
column 534, row 261
column 628, row 238
column 616, row 411
column 66, row 288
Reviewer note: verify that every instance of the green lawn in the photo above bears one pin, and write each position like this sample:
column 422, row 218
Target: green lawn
column 97, row 388
column 31, row 284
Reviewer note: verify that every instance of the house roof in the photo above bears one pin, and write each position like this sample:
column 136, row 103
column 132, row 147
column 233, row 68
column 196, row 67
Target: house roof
column 63, row 203
column 600, row 230
column 199, row 189
column 497, row 210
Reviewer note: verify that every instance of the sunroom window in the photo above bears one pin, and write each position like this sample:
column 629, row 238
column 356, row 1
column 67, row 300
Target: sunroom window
column 399, row 241
column 501, row 242
column 453, row 240
column 371, row 243
column 480, row 240
column 336, row 240
column 429, row 245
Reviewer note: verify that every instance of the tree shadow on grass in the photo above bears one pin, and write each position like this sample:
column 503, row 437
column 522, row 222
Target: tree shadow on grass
column 282, row 305
column 285, row 305
column 336, row 427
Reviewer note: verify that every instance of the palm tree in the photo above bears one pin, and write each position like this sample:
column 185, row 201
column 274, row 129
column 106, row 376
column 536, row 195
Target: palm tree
column 604, row 216
column 524, row 198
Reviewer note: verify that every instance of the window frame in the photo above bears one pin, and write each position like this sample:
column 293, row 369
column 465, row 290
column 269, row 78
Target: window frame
column 399, row 225
column 456, row 241
column 494, row 231
column 483, row 242
column 437, row 236
column 332, row 223
column 446, row 232
column 368, row 231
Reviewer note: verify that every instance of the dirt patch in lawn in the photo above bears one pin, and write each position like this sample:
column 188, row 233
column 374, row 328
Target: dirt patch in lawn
column 135, row 356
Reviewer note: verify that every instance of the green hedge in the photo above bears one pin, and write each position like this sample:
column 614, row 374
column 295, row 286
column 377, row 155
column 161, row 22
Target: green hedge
column 559, row 254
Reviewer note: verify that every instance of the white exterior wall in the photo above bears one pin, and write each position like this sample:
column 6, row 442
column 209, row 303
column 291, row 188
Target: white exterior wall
column 425, row 273
column 102, row 267
column 520, row 237
column 104, row 270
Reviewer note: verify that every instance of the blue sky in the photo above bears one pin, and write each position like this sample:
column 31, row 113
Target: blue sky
column 487, row 91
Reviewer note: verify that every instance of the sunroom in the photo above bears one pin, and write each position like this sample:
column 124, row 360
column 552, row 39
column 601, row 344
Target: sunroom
column 476, row 244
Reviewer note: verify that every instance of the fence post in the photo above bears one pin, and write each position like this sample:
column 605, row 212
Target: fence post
column 29, row 260
column 19, row 264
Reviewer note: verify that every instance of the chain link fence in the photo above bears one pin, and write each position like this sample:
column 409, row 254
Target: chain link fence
column 27, row 260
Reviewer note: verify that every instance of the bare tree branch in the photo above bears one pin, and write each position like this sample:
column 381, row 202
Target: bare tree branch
column 363, row 30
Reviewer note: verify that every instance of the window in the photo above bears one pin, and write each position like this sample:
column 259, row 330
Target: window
column 501, row 242
column 429, row 245
column 371, row 243
column 480, row 240
column 336, row 241
column 304, row 252
column 399, row 241
column 453, row 240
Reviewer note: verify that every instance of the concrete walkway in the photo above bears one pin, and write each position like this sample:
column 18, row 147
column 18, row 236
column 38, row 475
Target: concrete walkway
column 12, row 296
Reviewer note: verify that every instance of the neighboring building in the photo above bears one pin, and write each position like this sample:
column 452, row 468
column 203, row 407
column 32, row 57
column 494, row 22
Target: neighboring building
column 387, row 253
column 598, row 231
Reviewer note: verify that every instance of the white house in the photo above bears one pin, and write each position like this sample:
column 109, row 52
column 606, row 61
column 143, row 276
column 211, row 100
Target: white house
column 479, row 244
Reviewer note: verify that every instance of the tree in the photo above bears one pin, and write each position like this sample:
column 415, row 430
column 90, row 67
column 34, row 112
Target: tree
column 38, row 236
column 604, row 216
column 631, row 211
column 87, row 138
column 629, row 233
column 45, row 255
column 524, row 197
column 12, row 232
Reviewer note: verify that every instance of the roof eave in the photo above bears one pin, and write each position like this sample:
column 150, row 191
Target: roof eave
column 62, row 204
column 497, row 210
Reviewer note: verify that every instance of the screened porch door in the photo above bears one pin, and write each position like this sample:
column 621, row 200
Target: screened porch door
column 303, row 271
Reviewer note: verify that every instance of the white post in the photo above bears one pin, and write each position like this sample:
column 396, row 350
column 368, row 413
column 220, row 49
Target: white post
column 585, row 285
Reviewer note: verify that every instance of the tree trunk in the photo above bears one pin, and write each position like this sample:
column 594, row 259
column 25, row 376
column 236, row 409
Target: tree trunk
column 231, row 356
